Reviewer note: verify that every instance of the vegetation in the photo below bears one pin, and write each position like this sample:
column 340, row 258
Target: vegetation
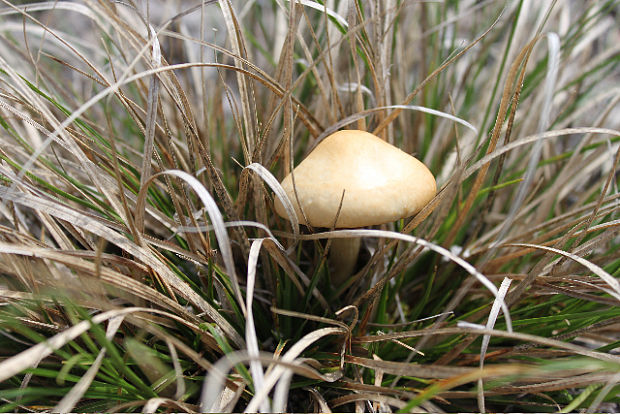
column 142, row 266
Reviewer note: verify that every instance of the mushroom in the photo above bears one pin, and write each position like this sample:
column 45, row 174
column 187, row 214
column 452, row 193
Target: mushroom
column 376, row 182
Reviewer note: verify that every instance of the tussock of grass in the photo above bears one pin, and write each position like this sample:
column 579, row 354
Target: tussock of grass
column 144, row 269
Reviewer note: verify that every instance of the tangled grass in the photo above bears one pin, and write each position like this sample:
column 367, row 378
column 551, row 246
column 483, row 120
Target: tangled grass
column 142, row 267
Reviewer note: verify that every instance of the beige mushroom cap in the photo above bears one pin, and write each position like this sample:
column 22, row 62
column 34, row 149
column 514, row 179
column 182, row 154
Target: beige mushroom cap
column 381, row 182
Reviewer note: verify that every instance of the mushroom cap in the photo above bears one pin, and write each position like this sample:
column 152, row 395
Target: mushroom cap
column 380, row 182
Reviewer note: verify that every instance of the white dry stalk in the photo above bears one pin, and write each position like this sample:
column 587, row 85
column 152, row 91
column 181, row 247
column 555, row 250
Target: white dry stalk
column 251, row 340
column 228, row 398
column 613, row 381
column 469, row 325
column 378, row 405
column 152, row 405
column 280, row 32
column 351, row 87
column 280, row 395
column 275, row 186
column 178, row 370
column 437, row 113
column 503, row 289
column 323, row 8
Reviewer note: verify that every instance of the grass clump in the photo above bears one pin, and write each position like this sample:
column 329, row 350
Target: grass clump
column 143, row 266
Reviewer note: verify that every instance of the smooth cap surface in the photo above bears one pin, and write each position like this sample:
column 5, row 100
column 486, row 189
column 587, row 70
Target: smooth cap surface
column 381, row 183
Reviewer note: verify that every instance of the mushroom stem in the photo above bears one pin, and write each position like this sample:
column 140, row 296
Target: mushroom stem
column 343, row 258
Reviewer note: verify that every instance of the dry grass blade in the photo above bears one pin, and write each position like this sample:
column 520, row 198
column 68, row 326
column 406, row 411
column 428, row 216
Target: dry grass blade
column 87, row 223
column 178, row 370
column 534, row 138
column 141, row 150
column 153, row 404
column 377, row 383
column 528, row 178
column 323, row 8
column 580, row 350
column 250, row 330
column 596, row 402
column 487, row 338
column 281, row 393
column 239, row 223
column 108, row 276
column 275, row 186
column 316, row 318
column 406, row 368
column 609, row 279
column 383, row 400
column 228, row 398
column 390, row 118
column 238, row 47
column 323, row 407
column 362, row 114
column 216, row 219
